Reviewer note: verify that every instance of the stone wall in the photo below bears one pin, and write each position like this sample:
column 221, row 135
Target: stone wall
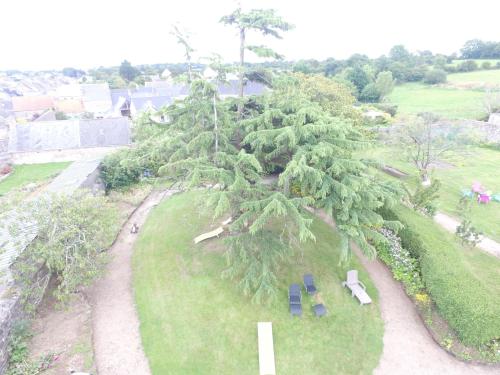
column 4, row 142
column 12, row 311
column 36, row 157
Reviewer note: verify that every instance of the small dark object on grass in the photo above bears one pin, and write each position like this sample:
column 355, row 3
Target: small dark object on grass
column 319, row 310
column 135, row 228
column 309, row 284
column 295, row 300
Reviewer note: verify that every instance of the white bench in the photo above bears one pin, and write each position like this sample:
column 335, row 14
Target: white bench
column 266, row 348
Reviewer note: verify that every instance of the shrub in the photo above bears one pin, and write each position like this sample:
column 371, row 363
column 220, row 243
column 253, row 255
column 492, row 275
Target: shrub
column 404, row 267
column 417, row 73
column 391, row 109
column 370, row 94
column 118, row 170
column 486, row 65
column 435, row 76
column 461, row 299
column 467, row 66
column 424, row 197
column 450, row 68
column 497, row 65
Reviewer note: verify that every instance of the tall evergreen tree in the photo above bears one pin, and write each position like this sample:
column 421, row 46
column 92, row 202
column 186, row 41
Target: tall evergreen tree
column 265, row 21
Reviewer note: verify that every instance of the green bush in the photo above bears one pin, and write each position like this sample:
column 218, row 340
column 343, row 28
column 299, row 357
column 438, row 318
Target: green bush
column 486, row 65
column 370, row 94
column 435, row 76
column 469, row 308
column 118, row 170
column 467, row 66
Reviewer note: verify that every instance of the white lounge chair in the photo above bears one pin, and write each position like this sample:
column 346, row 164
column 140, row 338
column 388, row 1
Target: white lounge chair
column 357, row 288
column 266, row 348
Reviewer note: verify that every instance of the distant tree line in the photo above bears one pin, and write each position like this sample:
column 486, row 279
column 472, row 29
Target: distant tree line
column 369, row 79
column 479, row 49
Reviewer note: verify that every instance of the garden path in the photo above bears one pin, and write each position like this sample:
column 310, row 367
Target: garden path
column 408, row 347
column 117, row 341
column 450, row 224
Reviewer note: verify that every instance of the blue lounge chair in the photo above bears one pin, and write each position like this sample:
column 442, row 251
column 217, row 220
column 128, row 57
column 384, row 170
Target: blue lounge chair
column 309, row 284
column 295, row 300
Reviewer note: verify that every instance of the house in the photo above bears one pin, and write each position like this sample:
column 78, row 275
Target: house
column 37, row 142
column 231, row 89
column 70, row 91
column 96, row 98
column 26, row 107
column 138, row 105
column 166, row 74
column 69, row 105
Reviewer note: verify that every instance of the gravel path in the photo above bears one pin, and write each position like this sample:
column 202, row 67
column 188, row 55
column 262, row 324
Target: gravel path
column 450, row 224
column 117, row 341
column 408, row 347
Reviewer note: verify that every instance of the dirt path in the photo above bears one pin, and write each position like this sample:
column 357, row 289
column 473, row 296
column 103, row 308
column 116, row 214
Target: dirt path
column 117, row 341
column 450, row 224
column 408, row 347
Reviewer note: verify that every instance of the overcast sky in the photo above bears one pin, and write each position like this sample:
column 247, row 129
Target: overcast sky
column 51, row 34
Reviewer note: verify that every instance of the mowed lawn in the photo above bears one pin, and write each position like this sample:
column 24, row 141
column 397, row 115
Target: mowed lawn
column 24, row 174
column 413, row 98
column 474, row 164
column 195, row 322
column 478, row 77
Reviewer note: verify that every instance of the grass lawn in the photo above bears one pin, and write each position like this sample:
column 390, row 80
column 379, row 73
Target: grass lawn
column 194, row 322
column 476, row 77
column 413, row 98
column 24, row 174
column 476, row 164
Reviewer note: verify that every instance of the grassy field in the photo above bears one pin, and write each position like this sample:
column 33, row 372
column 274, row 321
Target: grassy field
column 194, row 322
column 28, row 173
column 478, row 77
column 413, row 98
column 475, row 164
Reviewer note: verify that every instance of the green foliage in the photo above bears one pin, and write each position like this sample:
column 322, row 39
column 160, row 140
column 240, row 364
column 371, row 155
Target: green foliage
column 17, row 349
column 61, row 115
column 467, row 66
column 127, row 71
column 435, row 76
column 404, row 266
column 479, row 49
column 466, row 232
column 424, row 197
column 370, row 93
column 266, row 21
column 314, row 151
column 72, row 234
column 334, row 97
column 18, row 342
column 468, row 306
column 384, row 83
column 118, row 170
column 358, row 77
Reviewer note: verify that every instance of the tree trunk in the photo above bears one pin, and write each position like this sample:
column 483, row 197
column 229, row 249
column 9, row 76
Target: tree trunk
column 426, row 179
column 215, row 126
column 241, row 72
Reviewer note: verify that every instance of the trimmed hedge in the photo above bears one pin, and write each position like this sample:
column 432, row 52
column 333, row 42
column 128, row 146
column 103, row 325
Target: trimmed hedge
column 470, row 304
